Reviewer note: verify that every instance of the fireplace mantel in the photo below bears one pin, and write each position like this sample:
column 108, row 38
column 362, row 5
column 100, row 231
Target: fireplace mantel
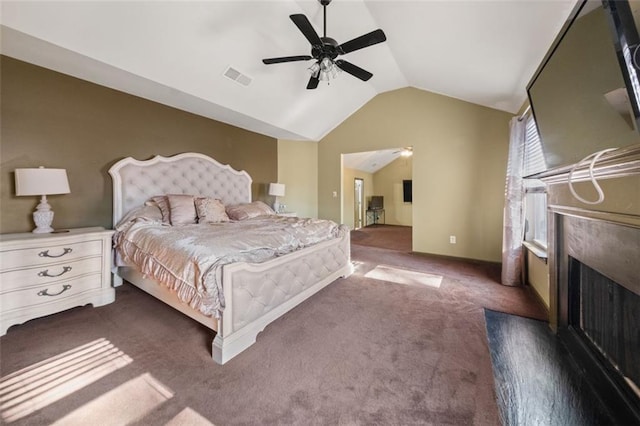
column 608, row 243
column 603, row 237
column 620, row 163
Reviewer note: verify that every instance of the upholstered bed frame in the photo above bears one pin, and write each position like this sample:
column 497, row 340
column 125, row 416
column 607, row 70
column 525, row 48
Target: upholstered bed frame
column 282, row 283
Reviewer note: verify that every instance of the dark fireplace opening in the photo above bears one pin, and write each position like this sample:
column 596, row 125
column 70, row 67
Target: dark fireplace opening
column 596, row 311
column 605, row 316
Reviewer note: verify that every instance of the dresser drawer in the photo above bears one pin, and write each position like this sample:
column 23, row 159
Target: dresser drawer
column 48, row 293
column 49, row 274
column 47, row 254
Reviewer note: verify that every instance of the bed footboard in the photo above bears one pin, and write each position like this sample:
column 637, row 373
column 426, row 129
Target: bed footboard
column 258, row 294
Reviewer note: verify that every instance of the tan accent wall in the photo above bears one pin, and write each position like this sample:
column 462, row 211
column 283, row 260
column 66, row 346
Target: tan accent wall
column 388, row 183
column 348, row 191
column 54, row 120
column 298, row 170
column 459, row 163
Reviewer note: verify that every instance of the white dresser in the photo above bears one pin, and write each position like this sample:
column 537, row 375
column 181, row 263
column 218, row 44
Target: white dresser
column 41, row 274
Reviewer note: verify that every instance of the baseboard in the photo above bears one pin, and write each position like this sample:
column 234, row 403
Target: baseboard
column 459, row 259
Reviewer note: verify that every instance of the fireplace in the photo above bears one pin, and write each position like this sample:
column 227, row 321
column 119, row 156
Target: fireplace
column 596, row 311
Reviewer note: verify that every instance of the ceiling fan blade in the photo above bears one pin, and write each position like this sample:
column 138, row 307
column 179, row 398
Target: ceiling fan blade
column 305, row 27
column 354, row 70
column 286, row 59
column 374, row 37
column 313, row 82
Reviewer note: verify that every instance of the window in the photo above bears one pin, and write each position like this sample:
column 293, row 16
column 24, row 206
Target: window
column 535, row 199
column 536, row 218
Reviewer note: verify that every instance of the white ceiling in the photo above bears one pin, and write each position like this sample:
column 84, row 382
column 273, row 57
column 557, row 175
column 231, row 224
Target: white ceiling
column 176, row 52
column 371, row 161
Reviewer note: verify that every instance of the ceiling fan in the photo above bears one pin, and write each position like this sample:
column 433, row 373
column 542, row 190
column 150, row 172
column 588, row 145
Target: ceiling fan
column 325, row 50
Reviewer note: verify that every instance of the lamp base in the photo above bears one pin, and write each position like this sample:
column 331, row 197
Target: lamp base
column 43, row 217
column 43, row 222
column 276, row 206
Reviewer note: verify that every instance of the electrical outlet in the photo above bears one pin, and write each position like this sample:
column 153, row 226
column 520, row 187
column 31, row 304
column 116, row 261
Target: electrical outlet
column 452, row 239
column 335, row 194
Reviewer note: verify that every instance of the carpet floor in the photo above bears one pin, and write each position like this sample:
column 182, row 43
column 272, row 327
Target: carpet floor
column 361, row 351
column 390, row 237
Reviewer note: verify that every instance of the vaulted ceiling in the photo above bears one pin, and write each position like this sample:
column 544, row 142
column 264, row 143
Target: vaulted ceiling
column 177, row 53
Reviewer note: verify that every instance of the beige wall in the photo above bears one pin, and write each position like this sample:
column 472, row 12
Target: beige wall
column 459, row 163
column 388, row 183
column 54, row 120
column 538, row 276
column 298, row 170
column 348, row 191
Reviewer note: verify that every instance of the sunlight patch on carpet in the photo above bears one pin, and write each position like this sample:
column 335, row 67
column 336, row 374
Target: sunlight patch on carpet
column 123, row 405
column 48, row 381
column 404, row 276
column 189, row 417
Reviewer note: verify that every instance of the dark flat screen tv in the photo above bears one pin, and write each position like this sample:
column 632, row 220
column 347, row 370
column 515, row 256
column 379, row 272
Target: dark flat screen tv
column 407, row 191
column 376, row 202
column 584, row 96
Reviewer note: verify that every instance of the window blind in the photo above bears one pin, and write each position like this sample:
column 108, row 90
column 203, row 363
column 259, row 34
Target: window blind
column 534, row 161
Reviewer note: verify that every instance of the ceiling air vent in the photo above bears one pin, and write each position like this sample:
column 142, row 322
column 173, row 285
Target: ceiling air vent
column 237, row 76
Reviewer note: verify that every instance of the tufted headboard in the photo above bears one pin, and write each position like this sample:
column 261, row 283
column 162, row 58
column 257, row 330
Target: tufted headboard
column 134, row 181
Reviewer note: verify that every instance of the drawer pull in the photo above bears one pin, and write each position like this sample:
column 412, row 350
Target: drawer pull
column 45, row 292
column 46, row 253
column 45, row 273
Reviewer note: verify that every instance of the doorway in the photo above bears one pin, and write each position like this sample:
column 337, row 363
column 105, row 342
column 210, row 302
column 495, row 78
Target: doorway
column 358, row 203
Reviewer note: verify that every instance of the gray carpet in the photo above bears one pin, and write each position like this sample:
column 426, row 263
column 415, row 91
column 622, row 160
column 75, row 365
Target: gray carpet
column 361, row 351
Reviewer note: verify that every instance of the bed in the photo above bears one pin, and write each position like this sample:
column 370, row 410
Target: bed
column 253, row 294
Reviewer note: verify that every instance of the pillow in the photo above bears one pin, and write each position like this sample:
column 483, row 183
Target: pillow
column 146, row 212
column 210, row 210
column 163, row 204
column 249, row 210
column 182, row 209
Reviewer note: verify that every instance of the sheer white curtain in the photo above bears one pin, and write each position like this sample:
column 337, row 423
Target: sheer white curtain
column 513, row 232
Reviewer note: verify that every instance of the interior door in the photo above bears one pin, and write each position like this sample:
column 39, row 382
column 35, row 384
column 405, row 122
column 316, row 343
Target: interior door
column 358, row 203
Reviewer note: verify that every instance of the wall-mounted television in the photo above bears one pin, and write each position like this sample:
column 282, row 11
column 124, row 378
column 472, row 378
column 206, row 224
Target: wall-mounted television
column 376, row 202
column 582, row 96
column 407, row 191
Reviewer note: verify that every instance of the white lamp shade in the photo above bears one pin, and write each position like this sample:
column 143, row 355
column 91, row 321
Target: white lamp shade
column 41, row 181
column 276, row 189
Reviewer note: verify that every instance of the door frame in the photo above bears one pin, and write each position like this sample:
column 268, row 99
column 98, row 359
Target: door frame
column 358, row 204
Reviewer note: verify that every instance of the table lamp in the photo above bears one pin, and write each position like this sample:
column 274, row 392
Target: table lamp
column 42, row 182
column 276, row 190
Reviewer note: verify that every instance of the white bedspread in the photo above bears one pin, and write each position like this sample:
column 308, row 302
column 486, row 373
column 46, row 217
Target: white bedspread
column 187, row 258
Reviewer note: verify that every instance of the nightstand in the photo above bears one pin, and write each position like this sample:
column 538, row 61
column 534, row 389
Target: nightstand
column 41, row 274
column 288, row 214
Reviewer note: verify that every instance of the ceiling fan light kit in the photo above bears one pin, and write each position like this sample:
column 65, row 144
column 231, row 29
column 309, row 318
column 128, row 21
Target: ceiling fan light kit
column 325, row 50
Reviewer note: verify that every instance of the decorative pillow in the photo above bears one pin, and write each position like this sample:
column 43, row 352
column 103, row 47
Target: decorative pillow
column 249, row 210
column 163, row 204
column 210, row 210
column 182, row 208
